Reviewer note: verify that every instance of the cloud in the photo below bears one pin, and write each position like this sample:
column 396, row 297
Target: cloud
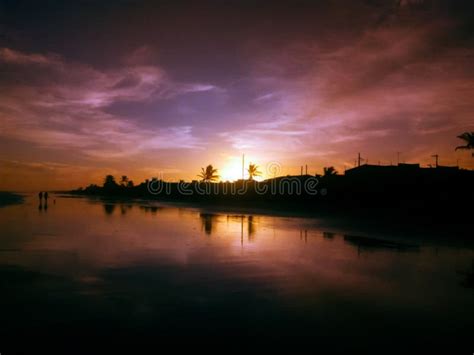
column 8, row 55
column 53, row 103
column 406, row 82
column 325, row 78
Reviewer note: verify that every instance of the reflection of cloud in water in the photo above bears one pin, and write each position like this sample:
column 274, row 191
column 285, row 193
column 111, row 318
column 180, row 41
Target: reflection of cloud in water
column 163, row 268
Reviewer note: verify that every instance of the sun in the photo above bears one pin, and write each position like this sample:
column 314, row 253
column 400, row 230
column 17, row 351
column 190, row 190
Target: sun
column 232, row 169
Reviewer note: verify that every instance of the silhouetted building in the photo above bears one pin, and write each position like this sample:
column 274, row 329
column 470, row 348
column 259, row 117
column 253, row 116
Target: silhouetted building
column 402, row 171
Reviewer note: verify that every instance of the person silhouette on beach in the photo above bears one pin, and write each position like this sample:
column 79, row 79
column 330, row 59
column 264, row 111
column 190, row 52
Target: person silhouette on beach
column 40, row 195
column 45, row 200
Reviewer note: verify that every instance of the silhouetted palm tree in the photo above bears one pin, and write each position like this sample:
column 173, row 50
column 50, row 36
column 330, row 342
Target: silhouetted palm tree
column 208, row 174
column 330, row 171
column 253, row 171
column 468, row 137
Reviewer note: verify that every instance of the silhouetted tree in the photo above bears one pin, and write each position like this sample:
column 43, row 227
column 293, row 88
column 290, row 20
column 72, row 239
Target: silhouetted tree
column 468, row 137
column 329, row 171
column 130, row 183
column 109, row 183
column 92, row 188
column 208, row 174
column 124, row 180
column 253, row 171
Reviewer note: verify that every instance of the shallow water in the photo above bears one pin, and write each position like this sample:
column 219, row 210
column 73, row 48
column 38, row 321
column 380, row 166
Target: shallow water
column 138, row 271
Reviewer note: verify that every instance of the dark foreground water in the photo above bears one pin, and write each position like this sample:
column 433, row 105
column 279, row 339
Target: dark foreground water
column 141, row 274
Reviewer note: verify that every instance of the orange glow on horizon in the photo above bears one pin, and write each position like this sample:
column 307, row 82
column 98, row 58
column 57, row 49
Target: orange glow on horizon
column 232, row 169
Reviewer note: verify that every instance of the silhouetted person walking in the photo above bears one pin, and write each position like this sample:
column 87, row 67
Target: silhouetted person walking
column 45, row 200
column 40, row 195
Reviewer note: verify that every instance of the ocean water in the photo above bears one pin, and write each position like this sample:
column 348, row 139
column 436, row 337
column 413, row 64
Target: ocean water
column 136, row 271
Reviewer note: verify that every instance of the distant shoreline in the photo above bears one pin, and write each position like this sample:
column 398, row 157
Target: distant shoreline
column 10, row 198
column 392, row 218
column 408, row 192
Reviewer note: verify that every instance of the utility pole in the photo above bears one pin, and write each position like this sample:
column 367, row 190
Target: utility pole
column 306, row 169
column 301, row 170
column 359, row 159
column 436, row 156
column 243, row 166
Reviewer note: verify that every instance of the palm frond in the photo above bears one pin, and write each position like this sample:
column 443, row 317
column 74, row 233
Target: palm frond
column 468, row 137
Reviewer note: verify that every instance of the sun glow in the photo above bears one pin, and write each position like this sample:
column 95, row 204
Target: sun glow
column 232, row 169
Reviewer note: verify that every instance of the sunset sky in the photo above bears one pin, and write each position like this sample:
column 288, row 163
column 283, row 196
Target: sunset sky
column 144, row 88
